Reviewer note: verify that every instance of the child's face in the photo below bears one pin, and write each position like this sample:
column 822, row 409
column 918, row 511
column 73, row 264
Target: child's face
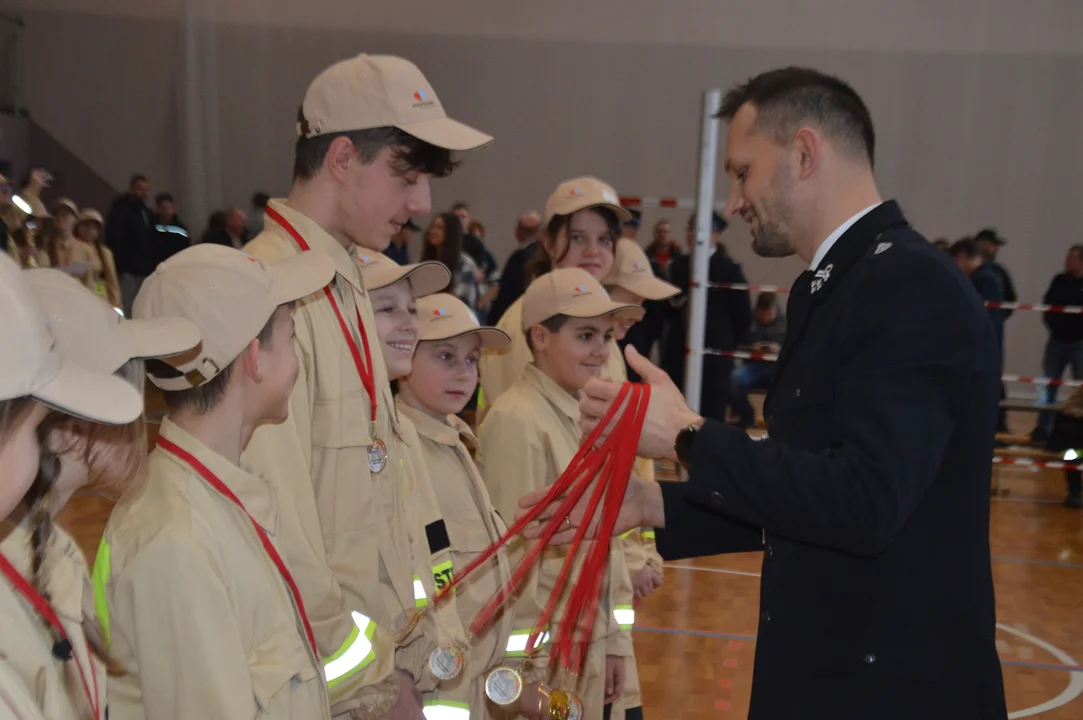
column 575, row 354
column 279, row 367
column 445, row 374
column 624, row 297
column 396, row 324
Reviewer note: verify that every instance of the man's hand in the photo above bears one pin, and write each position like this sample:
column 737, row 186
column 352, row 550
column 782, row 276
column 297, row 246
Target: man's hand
column 667, row 413
column 645, row 581
column 642, row 507
column 409, row 705
column 614, row 678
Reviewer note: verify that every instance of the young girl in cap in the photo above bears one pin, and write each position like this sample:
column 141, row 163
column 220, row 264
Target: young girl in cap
column 529, row 437
column 437, row 635
column 583, row 220
column 631, row 282
column 51, row 665
column 197, row 602
column 441, row 382
column 66, row 252
column 104, row 280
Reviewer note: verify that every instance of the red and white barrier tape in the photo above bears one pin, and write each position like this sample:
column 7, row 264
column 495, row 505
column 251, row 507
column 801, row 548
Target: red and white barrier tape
column 634, row 201
column 773, row 357
column 1070, row 309
column 1030, row 462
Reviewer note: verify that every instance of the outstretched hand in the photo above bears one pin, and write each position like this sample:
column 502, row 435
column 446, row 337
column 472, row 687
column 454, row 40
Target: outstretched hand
column 642, row 507
column 667, row 412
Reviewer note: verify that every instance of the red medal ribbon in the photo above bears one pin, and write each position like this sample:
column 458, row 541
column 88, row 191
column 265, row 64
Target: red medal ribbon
column 364, row 369
column 212, row 480
column 45, row 610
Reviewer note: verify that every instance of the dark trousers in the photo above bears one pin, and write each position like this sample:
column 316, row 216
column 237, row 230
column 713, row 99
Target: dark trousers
column 1058, row 357
column 750, row 376
column 715, row 395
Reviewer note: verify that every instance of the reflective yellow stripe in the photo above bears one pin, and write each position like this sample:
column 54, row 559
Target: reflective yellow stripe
column 98, row 579
column 481, row 399
column 420, row 599
column 628, row 534
column 625, row 615
column 446, row 710
column 647, row 534
column 518, row 638
column 354, row 654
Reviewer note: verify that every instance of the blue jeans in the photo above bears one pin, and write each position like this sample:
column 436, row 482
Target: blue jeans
column 750, row 376
column 1058, row 357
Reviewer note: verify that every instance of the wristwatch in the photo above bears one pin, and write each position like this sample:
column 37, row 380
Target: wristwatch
column 683, row 445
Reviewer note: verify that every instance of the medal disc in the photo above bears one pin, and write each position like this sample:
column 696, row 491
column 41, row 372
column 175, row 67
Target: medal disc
column 446, row 662
column 377, row 455
column 404, row 624
column 503, row 686
column 564, row 705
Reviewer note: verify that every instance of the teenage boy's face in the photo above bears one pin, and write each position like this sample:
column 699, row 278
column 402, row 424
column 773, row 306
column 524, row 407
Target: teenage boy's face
column 445, row 373
column 396, row 324
column 278, row 366
column 379, row 198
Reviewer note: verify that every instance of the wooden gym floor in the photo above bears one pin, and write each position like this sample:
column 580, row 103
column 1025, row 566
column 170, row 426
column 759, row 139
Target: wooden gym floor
column 695, row 636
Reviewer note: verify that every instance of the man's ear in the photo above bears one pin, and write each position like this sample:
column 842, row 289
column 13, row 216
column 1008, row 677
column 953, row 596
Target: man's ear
column 250, row 361
column 539, row 338
column 340, row 155
column 807, row 147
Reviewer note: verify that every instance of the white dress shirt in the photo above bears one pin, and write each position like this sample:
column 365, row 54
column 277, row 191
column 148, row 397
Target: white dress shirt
column 822, row 251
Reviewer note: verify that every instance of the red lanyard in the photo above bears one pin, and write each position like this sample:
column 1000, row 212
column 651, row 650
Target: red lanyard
column 45, row 610
column 212, row 479
column 363, row 369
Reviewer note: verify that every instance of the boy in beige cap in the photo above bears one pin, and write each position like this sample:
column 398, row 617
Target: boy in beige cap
column 202, row 609
column 442, row 380
column 371, row 134
column 529, row 437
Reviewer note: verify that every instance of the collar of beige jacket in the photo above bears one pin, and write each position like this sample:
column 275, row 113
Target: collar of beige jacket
column 67, row 568
column 427, row 426
column 318, row 239
column 567, row 404
column 254, row 492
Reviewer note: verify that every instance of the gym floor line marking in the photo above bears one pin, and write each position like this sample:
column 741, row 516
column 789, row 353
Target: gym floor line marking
column 1075, row 673
column 1016, row 561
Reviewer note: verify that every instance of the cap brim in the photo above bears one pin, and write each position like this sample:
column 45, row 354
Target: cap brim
column 601, row 309
column 491, row 337
column 426, row 278
column 299, row 276
column 97, row 397
column 161, row 337
column 653, row 288
column 448, row 134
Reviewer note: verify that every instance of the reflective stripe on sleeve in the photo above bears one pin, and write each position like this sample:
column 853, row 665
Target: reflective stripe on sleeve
column 518, row 638
column 354, row 654
column 98, row 578
column 647, row 534
column 446, row 710
column 625, row 615
column 420, row 599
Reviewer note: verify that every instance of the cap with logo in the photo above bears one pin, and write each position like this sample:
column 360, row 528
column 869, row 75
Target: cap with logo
column 443, row 317
column 31, row 363
column 380, row 271
column 230, row 296
column 87, row 327
column 577, row 194
column 573, row 292
column 632, row 271
column 373, row 91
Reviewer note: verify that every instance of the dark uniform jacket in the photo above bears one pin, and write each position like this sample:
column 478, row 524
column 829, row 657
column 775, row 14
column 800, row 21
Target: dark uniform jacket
column 872, row 491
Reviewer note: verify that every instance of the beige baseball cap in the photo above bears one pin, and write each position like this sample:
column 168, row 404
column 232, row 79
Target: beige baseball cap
column 31, row 361
column 577, row 194
column 87, row 327
column 230, row 296
column 67, row 204
column 91, row 215
column 632, row 271
column 426, row 277
column 573, row 292
column 373, row 91
column 443, row 316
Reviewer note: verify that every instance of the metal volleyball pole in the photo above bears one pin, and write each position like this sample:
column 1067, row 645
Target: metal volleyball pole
column 697, row 317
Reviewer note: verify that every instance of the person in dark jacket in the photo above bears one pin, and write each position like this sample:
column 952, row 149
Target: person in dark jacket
column 171, row 234
column 765, row 337
column 513, row 278
column 729, row 315
column 1064, row 348
column 129, row 233
column 870, row 496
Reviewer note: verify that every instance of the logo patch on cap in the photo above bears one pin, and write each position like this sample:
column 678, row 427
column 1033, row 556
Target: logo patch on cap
column 363, row 259
column 580, row 290
column 575, row 192
column 422, row 99
column 637, row 266
column 441, row 312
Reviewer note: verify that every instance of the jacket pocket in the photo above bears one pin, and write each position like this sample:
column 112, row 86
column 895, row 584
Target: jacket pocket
column 341, row 423
column 278, row 666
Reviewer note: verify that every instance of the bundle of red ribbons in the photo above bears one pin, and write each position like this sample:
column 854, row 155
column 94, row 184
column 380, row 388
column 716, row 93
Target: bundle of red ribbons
column 606, row 466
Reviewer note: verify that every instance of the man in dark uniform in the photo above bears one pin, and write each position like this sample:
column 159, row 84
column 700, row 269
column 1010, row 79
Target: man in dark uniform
column 729, row 316
column 870, row 498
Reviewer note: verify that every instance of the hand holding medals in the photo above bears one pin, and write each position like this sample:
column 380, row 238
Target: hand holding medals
column 606, row 466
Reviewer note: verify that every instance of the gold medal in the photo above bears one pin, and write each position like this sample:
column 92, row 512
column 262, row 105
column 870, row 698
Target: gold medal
column 565, row 705
column 377, row 455
column 446, row 662
column 405, row 623
column 504, row 685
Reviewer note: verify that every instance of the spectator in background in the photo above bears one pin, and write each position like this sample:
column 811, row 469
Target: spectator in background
column 474, row 246
column 990, row 286
column 129, row 233
column 444, row 244
column 1064, row 348
column 255, row 220
column 765, row 336
column 729, row 315
column 172, row 235
column 90, row 229
column 989, row 244
column 26, row 245
column 630, row 227
column 228, row 228
column 66, row 252
column 399, row 249
column 942, row 244
column 513, row 280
